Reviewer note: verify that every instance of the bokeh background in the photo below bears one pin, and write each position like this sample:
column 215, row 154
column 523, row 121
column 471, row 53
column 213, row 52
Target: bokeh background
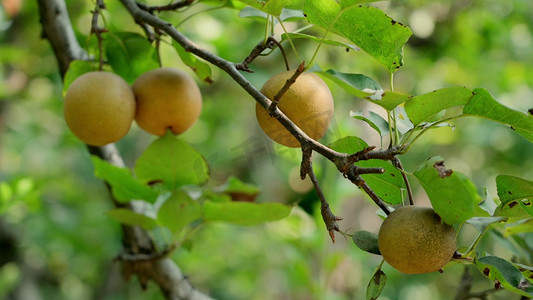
column 56, row 242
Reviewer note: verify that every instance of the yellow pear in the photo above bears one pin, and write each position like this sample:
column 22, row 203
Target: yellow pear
column 414, row 240
column 99, row 108
column 308, row 103
column 167, row 98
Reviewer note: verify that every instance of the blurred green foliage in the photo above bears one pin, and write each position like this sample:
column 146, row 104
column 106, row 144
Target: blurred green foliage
column 54, row 208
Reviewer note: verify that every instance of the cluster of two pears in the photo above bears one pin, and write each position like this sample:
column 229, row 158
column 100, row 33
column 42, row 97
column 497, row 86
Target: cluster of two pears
column 100, row 107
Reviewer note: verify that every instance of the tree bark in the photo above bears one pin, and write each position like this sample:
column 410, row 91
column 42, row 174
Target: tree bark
column 164, row 272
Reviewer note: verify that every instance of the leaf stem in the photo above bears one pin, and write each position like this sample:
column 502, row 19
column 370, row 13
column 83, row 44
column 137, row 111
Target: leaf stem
column 290, row 40
column 425, row 130
column 474, row 244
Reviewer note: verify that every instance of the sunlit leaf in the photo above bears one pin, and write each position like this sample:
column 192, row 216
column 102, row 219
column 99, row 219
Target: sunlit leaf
column 367, row 27
column 366, row 241
column 273, row 7
column 245, row 213
column 484, row 105
column 505, row 273
column 178, row 211
column 124, row 185
column 128, row 217
column 130, row 54
column 171, row 162
column 199, row 67
column 422, row 107
column 453, row 197
column 374, row 120
column 366, row 88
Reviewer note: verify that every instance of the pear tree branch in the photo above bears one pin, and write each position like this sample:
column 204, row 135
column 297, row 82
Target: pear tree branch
column 343, row 161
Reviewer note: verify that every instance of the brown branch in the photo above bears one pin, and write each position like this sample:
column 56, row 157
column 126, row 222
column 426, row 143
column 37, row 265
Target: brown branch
column 257, row 50
column 342, row 161
column 173, row 284
column 329, row 218
column 356, row 179
column 98, row 31
column 172, row 6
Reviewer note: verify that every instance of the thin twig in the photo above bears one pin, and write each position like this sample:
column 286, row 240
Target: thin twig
column 356, row 179
column 98, row 31
column 285, row 88
column 172, row 6
column 146, row 257
column 398, row 164
column 329, row 218
column 257, row 50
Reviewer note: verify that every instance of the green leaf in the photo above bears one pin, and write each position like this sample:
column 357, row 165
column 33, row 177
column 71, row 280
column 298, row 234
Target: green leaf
column 389, row 186
column 131, row 218
column 373, row 120
column 346, row 3
column 124, row 185
column 453, row 197
column 481, row 223
column 376, row 284
column 201, row 69
column 358, row 85
column 245, row 213
column 366, row 88
column 366, row 241
column 505, row 273
column 512, row 191
column 519, row 227
column 75, row 70
column 236, row 190
column 421, row 108
column 367, row 27
column 130, row 54
column 326, row 41
column 484, row 105
column 178, row 211
column 488, row 203
column 272, row 7
column 349, row 144
column 171, row 162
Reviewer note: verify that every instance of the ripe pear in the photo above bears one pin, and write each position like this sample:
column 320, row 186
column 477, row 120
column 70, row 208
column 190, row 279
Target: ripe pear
column 414, row 240
column 308, row 103
column 99, row 108
column 167, row 98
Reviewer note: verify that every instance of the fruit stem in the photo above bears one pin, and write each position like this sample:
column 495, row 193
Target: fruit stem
column 285, row 88
column 97, row 30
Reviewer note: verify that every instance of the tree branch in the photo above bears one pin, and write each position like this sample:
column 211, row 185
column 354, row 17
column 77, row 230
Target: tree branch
column 342, row 161
column 174, row 285
column 172, row 6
